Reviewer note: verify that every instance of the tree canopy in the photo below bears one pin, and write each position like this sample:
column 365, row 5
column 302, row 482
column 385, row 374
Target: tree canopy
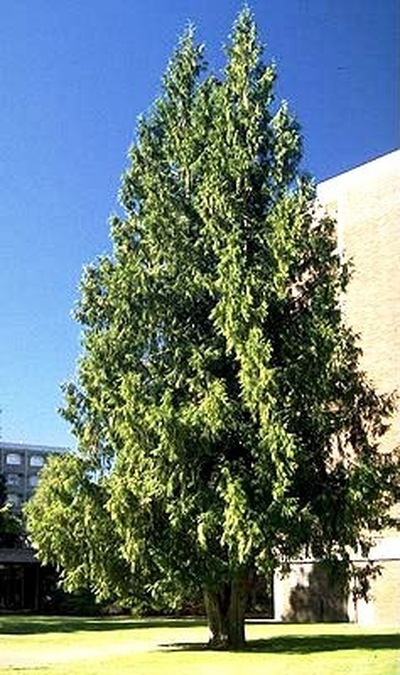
column 223, row 420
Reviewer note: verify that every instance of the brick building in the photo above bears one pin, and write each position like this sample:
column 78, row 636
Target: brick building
column 366, row 205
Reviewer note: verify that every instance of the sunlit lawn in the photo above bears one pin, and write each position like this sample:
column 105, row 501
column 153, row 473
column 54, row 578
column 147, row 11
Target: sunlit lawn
column 68, row 646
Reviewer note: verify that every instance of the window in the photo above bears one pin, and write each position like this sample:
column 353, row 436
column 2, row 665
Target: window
column 15, row 500
column 13, row 458
column 36, row 460
column 33, row 480
column 13, row 480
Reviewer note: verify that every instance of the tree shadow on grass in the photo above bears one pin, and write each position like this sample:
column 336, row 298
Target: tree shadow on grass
column 31, row 625
column 306, row 644
column 309, row 644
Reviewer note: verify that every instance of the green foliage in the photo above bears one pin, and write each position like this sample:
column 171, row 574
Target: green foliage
column 222, row 419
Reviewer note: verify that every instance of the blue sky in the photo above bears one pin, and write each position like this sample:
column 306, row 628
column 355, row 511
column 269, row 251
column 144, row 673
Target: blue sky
column 74, row 76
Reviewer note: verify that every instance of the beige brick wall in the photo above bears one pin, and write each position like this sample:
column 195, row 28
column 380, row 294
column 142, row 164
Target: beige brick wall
column 366, row 203
column 383, row 608
column 308, row 594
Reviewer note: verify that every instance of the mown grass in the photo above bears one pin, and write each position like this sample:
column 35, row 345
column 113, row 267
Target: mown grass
column 69, row 646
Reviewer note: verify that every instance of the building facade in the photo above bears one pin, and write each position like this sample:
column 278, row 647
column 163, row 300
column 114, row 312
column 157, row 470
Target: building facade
column 20, row 465
column 24, row 583
column 366, row 205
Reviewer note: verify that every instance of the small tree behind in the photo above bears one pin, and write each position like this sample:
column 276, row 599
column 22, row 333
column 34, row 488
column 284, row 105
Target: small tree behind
column 222, row 418
column 11, row 531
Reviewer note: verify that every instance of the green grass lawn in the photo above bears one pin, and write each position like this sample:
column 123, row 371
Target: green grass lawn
column 75, row 646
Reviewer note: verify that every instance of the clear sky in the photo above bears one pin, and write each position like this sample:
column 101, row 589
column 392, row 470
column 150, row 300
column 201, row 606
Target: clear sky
column 74, row 76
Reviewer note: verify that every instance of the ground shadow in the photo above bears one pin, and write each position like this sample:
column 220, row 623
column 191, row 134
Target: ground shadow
column 31, row 625
column 306, row 644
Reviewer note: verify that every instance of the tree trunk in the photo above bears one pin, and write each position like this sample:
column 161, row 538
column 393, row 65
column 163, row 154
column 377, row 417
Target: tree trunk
column 225, row 608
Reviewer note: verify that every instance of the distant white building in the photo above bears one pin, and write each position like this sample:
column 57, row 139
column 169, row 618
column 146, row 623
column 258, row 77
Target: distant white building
column 24, row 582
column 20, row 465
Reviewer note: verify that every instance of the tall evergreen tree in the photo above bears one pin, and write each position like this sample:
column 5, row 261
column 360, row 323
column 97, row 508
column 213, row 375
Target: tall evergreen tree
column 222, row 418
